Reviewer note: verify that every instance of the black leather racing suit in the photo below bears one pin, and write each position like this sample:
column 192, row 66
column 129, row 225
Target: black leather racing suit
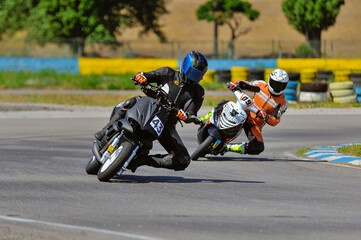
column 190, row 99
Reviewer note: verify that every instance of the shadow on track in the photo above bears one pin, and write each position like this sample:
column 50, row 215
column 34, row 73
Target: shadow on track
column 251, row 159
column 170, row 179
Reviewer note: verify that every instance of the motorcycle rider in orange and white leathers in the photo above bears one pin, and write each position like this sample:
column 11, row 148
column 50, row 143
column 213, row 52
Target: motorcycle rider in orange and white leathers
column 271, row 103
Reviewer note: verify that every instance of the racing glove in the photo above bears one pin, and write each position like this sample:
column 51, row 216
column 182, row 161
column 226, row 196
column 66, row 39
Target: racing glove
column 262, row 114
column 139, row 78
column 232, row 86
column 182, row 115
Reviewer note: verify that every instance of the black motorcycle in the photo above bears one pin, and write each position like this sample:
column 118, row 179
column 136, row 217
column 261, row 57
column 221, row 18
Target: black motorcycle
column 131, row 138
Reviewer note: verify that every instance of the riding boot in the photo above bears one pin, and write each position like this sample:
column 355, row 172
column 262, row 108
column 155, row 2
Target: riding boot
column 239, row 148
column 157, row 161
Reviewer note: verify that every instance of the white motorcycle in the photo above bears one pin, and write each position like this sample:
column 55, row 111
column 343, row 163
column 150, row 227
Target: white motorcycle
column 224, row 124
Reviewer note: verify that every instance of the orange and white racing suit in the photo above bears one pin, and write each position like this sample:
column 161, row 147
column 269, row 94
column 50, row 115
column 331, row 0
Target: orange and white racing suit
column 273, row 105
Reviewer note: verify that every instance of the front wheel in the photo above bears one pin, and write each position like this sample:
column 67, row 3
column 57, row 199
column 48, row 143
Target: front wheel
column 202, row 149
column 93, row 166
column 116, row 160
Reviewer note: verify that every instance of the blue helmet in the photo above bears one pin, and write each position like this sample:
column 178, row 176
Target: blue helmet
column 194, row 66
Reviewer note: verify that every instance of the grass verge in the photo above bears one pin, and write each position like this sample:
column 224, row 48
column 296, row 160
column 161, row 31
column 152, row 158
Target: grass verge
column 84, row 99
column 49, row 79
column 111, row 99
column 302, row 151
column 353, row 150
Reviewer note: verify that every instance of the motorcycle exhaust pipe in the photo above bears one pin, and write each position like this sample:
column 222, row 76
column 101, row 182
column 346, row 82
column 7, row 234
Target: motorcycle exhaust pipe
column 95, row 150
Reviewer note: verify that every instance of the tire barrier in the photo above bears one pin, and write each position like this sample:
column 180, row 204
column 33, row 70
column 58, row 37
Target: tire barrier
column 239, row 73
column 313, row 92
column 292, row 85
column 358, row 93
column 291, row 91
column 291, row 98
column 342, row 75
column 341, row 85
column 346, row 99
column 267, row 72
column 323, row 76
column 308, row 75
column 356, row 78
column 255, row 74
column 209, row 77
column 314, row 87
column 294, row 76
column 343, row 92
column 358, row 90
column 223, row 76
column 313, row 97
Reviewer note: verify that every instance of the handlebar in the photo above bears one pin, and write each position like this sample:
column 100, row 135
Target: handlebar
column 158, row 93
column 246, row 86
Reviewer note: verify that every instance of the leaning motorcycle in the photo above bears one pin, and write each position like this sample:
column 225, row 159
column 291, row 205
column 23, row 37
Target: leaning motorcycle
column 131, row 138
column 224, row 124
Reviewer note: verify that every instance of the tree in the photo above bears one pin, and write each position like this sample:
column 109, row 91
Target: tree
column 59, row 20
column 228, row 12
column 311, row 17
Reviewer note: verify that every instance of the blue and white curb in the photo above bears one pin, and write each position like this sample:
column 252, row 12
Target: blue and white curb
column 330, row 154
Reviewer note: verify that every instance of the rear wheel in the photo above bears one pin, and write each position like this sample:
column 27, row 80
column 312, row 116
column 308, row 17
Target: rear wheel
column 116, row 160
column 203, row 147
column 93, row 166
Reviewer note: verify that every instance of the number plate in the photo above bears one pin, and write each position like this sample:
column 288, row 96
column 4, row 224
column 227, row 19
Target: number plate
column 157, row 125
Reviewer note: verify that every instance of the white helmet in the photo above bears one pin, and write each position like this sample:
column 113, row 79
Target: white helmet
column 277, row 81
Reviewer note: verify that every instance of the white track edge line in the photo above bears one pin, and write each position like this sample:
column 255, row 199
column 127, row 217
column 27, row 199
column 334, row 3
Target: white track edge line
column 83, row 228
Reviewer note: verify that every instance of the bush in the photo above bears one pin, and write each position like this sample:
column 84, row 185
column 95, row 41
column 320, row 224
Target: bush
column 305, row 51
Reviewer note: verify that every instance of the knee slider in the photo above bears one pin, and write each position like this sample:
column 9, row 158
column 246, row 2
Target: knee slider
column 181, row 163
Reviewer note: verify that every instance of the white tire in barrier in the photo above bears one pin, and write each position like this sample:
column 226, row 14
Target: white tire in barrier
column 313, row 97
column 342, row 92
column 341, row 85
column 347, row 99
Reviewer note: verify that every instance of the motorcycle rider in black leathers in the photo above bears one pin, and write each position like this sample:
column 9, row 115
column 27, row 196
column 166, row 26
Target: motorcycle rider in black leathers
column 182, row 86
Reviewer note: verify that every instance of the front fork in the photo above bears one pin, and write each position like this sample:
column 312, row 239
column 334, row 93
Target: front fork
column 124, row 168
column 111, row 148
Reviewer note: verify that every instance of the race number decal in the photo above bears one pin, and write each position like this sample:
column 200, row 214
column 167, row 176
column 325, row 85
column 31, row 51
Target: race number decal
column 157, row 125
column 247, row 100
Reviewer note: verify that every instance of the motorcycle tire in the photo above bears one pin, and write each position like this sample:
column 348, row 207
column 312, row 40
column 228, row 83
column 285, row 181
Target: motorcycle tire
column 93, row 166
column 201, row 151
column 114, row 163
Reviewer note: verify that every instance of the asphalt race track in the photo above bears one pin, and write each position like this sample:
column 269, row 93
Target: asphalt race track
column 46, row 194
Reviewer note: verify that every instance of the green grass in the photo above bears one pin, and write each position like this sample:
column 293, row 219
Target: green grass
column 302, row 151
column 84, row 99
column 49, row 79
column 353, row 150
column 67, row 99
